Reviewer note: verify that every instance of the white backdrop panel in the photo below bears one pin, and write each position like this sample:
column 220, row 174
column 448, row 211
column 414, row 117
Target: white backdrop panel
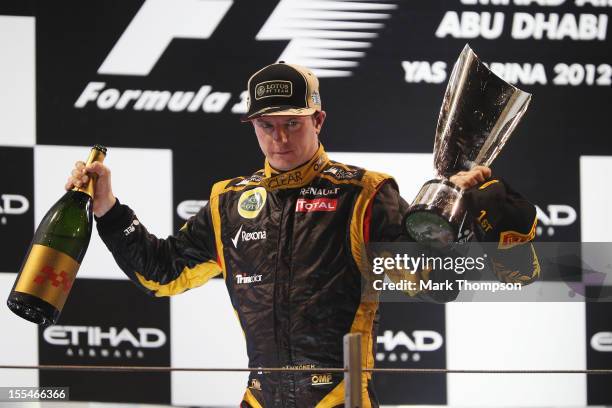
column 142, row 178
column 17, row 81
column 206, row 333
column 18, row 342
column 410, row 170
column 516, row 336
column 595, row 198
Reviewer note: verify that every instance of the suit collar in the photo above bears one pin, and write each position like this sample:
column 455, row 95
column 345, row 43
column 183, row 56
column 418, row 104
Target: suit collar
column 296, row 177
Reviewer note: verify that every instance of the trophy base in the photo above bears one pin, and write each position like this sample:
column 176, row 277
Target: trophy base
column 426, row 226
column 436, row 214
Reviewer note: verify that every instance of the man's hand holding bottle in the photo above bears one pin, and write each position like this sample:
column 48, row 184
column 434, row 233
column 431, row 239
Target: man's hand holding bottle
column 103, row 199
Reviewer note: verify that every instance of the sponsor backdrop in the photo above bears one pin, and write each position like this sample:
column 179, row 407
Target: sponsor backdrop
column 162, row 84
column 136, row 332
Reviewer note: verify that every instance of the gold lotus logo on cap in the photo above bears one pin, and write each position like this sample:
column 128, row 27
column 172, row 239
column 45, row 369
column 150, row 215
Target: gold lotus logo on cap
column 270, row 89
column 260, row 90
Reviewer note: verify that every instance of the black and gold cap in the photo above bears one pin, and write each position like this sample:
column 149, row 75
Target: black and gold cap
column 282, row 89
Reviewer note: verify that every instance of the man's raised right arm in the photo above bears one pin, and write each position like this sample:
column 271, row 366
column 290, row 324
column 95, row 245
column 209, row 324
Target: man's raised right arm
column 161, row 267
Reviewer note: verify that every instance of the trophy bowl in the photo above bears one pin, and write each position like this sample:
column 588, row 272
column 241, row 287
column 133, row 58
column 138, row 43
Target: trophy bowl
column 478, row 114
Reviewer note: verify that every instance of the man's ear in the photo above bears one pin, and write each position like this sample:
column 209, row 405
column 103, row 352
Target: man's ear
column 319, row 118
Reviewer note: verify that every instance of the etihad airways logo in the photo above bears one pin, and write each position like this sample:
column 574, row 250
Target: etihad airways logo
column 602, row 341
column 12, row 204
column 247, row 236
column 555, row 215
column 188, row 208
column 99, row 342
column 146, row 337
column 328, row 37
column 397, row 346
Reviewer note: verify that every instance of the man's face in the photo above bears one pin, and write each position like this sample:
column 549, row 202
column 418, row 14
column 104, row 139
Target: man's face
column 288, row 141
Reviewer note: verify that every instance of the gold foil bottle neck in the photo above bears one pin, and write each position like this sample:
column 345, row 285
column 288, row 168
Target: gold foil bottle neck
column 97, row 154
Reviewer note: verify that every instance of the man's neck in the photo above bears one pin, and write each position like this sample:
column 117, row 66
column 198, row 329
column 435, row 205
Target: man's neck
column 300, row 165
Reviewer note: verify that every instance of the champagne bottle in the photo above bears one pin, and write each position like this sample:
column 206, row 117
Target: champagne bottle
column 56, row 252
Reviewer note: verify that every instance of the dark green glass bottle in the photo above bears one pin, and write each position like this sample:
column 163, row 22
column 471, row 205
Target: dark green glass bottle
column 56, row 252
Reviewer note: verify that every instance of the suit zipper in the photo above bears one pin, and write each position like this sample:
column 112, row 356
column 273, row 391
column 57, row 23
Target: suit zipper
column 276, row 295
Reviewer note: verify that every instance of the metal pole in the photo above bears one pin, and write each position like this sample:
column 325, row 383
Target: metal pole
column 352, row 377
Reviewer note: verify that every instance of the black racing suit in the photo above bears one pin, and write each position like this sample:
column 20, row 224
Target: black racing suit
column 291, row 249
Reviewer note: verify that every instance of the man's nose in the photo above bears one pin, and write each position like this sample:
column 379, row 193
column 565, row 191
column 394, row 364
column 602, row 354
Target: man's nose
column 280, row 134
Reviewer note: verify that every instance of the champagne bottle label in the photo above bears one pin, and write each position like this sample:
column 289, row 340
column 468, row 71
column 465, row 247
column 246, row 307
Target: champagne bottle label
column 48, row 274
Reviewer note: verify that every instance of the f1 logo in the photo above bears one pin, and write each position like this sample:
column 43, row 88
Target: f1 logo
column 154, row 26
column 328, row 37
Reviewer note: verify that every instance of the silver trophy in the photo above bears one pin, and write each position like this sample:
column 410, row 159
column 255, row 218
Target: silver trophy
column 479, row 112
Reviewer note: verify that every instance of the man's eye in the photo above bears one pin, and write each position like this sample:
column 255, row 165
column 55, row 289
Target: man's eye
column 265, row 125
column 292, row 123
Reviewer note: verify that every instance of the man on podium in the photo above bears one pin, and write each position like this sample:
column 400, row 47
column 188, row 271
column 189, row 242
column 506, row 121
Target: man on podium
column 289, row 241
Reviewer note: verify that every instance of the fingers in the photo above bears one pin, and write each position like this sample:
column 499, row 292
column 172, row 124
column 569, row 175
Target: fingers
column 98, row 168
column 461, row 180
column 468, row 179
column 69, row 184
column 485, row 171
column 478, row 176
column 79, row 175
